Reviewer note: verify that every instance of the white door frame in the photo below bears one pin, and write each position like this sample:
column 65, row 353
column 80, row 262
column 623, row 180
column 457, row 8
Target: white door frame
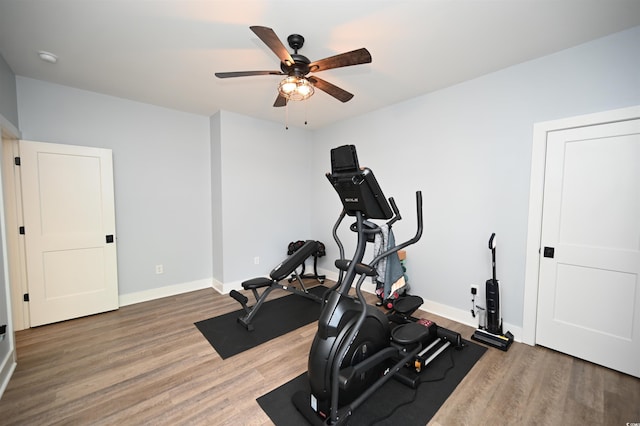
column 536, row 198
column 15, row 244
column 8, row 363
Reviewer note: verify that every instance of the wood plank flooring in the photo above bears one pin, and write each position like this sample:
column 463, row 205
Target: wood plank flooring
column 148, row 364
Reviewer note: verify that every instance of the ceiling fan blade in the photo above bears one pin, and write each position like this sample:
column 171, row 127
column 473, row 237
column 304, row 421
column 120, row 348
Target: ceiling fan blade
column 280, row 101
column 355, row 57
column 338, row 93
column 246, row 73
column 269, row 37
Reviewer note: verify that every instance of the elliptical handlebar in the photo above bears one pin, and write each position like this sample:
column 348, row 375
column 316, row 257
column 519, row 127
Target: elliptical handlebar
column 394, row 207
column 343, row 213
column 413, row 240
column 396, row 212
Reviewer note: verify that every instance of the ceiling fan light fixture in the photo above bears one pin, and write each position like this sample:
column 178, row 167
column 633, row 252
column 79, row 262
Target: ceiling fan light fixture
column 295, row 88
column 287, row 86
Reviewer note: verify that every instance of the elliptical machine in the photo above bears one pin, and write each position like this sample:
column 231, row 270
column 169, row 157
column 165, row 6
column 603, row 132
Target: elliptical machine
column 355, row 350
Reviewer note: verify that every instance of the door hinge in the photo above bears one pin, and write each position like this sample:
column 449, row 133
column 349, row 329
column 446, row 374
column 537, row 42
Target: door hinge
column 25, row 297
column 21, row 230
column 109, row 239
column 16, row 161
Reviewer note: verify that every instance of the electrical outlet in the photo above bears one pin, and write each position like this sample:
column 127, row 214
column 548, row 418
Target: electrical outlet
column 474, row 292
column 159, row 269
column 256, row 260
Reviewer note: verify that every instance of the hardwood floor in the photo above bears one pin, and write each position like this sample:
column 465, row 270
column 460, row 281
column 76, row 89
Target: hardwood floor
column 148, row 364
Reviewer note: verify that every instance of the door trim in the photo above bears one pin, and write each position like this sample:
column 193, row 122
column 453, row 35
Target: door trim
column 15, row 245
column 536, row 198
column 8, row 362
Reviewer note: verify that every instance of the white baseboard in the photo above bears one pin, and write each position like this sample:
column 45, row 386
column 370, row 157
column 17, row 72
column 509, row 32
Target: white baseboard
column 225, row 288
column 6, row 370
column 448, row 312
column 218, row 286
column 157, row 293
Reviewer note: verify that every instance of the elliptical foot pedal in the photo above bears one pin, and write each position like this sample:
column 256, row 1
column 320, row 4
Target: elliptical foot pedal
column 407, row 305
column 411, row 333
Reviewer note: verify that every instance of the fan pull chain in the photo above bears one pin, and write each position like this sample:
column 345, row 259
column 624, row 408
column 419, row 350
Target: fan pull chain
column 286, row 116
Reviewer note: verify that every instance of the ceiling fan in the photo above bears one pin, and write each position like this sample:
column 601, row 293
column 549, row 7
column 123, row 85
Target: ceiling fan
column 299, row 85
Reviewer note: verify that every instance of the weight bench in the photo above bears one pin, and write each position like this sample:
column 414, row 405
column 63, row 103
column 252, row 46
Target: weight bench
column 279, row 273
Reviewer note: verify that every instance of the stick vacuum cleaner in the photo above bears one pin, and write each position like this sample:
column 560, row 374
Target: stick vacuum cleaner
column 491, row 333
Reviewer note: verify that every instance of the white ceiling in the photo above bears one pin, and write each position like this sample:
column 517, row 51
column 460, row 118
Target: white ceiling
column 165, row 52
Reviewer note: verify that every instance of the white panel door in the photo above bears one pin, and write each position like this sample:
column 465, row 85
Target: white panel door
column 589, row 292
column 69, row 220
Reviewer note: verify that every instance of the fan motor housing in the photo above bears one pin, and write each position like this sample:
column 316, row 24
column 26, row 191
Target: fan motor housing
column 299, row 68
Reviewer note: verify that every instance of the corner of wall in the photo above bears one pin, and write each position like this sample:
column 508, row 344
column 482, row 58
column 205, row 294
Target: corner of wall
column 7, row 367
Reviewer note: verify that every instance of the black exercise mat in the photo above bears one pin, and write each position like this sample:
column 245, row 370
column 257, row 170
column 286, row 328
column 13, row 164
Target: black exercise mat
column 440, row 378
column 274, row 318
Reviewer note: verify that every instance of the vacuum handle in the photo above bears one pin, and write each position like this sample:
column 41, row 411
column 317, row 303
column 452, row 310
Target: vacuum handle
column 492, row 247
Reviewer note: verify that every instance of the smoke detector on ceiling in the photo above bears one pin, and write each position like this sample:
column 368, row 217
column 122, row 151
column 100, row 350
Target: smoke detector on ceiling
column 48, row 57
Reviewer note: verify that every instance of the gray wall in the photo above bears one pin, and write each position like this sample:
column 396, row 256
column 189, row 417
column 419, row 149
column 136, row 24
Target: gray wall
column 468, row 148
column 265, row 195
column 161, row 173
column 216, row 198
column 8, row 97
